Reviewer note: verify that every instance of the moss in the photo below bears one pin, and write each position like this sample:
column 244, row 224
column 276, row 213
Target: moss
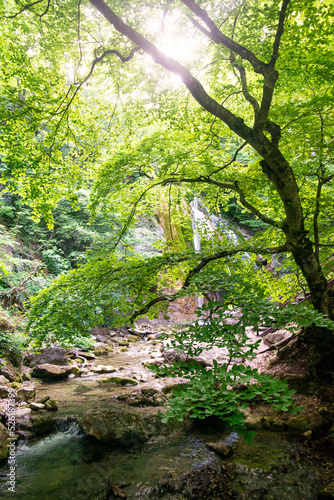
column 44, row 425
column 15, row 385
column 51, row 405
column 118, row 381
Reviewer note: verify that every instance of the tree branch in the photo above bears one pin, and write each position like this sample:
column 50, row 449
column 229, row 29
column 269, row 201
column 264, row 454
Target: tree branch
column 279, row 33
column 217, row 36
column 202, row 263
column 94, row 63
column 233, row 186
column 251, row 99
column 230, row 162
column 25, row 7
column 271, row 75
column 235, row 123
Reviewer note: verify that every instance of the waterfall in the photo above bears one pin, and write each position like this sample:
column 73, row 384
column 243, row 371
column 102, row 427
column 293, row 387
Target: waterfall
column 197, row 218
column 202, row 220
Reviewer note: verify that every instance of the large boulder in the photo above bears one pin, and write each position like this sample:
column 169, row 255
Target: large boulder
column 48, row 355
column 51, row 372
column 124, row 425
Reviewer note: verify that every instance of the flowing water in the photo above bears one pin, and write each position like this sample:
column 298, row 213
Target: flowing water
column 68, row 465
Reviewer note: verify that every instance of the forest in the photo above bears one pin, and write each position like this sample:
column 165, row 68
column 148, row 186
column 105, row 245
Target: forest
column 167, row 175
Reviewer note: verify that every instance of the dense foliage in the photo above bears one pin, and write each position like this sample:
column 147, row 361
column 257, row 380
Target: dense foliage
column 152, row 105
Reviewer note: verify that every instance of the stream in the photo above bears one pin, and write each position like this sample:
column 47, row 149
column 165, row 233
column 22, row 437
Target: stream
column 70, row 465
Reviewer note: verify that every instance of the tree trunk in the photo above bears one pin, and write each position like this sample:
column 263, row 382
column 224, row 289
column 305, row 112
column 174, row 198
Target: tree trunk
column 319, row 340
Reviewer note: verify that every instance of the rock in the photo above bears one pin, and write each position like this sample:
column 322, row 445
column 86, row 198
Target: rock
column 36, row 406
column 76, row 371
column 25, row 434
column 81, row 354
column 159, row 399
column 7, row 370
column 301, row 424
column 22, row 412
column 222, row 449
column 86, row 355
column 118, row 381
column 252, row 421
column 15, row 385
column 149, row 391
column 4, row 449
column 274, row 337
column 51, row 405
column 100, row 348
column 44, row 424
column 48, row 371
column 43, row 400
column 26, row 376
column 155, row 355
column 202, row 482
column 102, row 369
column 307, row 434
column 170, row 356
column 26, row 393
column 4, row 380
column 101, row 338
column 48, row 355
column 124, row 425
column 4, row 390
column 24, row 424
column 272, row 424
column 26, row 373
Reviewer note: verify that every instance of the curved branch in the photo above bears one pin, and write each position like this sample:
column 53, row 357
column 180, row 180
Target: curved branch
column 94, row 63
column 235, row 123
column 217, row 36
column 230, row 186
column 202, row 263
column 26, row 7
column 230, row 162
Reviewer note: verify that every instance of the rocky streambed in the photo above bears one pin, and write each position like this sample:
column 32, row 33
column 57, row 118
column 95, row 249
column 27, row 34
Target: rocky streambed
column 89, row 428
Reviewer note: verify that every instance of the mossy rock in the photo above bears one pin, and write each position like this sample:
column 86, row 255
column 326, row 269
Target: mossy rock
column 126, row 425
column 44, row 424
column 15, row 385
column 76, row 371
column 51, row 405
column 272, row 424
column 118, row 381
